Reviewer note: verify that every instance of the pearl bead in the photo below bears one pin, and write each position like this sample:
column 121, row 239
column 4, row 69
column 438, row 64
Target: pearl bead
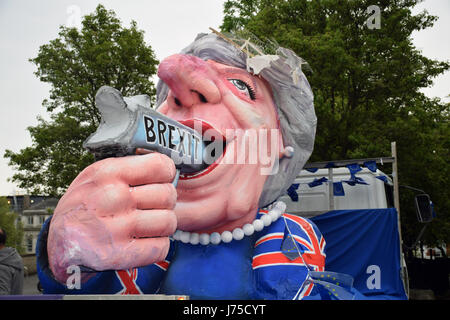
column 266, row 219
column 204, row 239
column 215, row 238
column 281, row 207
column 274, row 215
column 238, row 234
column 248, row 229
column 226, row 236
column 177, row 235
column 258, row 225
column 185, row 236
column 195, row 238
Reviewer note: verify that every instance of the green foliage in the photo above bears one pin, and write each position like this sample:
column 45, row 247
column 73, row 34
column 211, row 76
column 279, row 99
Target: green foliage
column 367, row 86
column 14, row 230
column 76, row 64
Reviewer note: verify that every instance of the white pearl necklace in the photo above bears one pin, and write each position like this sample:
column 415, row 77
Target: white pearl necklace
column 275, row 211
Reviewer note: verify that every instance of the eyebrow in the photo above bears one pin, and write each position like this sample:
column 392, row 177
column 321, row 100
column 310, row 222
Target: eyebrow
column 240, row 71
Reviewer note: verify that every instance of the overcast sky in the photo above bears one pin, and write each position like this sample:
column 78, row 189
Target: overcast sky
column 169, row 26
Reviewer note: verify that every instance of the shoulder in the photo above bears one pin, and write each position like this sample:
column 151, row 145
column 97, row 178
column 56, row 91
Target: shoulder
column 305, row 228
column 279, row 274
column 297, row 226
column 269, row 243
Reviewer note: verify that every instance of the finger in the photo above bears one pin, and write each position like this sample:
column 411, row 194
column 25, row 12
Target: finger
column 142, row 224
column 154, row 196
column 149, row 168
column 138, row 170
column 154, row 223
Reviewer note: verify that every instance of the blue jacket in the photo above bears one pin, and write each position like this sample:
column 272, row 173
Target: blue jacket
column 261, row 266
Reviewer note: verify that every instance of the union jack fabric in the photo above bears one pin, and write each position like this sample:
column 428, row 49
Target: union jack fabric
column 128, row 280
column 253, row 268
column 272, row 266
column 308, row 238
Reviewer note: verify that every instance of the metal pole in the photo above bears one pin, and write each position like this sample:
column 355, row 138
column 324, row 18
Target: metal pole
column 397, row 207
column 395, row 177
column 396, row 189
column 330, row 189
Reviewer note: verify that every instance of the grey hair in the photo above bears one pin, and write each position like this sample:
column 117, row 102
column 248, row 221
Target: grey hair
column 292, row 95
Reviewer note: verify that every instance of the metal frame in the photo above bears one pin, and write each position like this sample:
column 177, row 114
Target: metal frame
column 343, row 163
column 380, row 160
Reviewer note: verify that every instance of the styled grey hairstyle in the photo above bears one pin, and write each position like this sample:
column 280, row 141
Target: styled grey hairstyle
column 292, row 95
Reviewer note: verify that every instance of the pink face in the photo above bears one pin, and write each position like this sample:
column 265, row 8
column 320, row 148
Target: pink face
column 225, row 195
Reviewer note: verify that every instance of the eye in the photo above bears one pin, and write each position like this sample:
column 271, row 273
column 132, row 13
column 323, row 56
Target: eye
column 243, row 87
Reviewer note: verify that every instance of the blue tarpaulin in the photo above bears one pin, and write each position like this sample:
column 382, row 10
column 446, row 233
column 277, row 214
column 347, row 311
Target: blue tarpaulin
column 365, row 245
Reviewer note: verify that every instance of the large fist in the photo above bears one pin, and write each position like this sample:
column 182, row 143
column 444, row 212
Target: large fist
column 117, row 214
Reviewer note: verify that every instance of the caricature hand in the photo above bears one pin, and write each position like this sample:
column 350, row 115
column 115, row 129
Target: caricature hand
column 117, row 214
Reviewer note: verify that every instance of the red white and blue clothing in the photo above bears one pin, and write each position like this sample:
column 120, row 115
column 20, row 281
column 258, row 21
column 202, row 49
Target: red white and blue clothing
column 252, row 268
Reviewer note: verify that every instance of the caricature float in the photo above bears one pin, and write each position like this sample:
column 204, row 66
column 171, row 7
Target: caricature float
column 189, row 217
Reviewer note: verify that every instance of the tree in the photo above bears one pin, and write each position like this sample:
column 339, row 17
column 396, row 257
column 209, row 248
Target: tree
column 76, row 64
column 13, row 227
column 366, row 82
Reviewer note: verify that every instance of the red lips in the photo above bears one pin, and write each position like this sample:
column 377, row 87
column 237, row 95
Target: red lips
column 209, row 134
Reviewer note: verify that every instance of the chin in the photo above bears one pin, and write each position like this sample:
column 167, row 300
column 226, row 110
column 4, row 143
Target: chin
column 222, row 204
column 199, row 215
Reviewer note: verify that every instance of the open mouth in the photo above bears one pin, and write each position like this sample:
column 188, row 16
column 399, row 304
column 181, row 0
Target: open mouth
column 214, row 142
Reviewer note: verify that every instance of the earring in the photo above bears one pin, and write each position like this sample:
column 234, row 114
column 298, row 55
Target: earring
column 288, row 152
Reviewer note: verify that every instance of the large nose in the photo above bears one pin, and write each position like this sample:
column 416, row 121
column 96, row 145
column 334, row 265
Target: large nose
column 191, row 80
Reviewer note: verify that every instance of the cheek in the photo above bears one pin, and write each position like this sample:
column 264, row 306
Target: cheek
column 244, row 196
column 267, row 108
